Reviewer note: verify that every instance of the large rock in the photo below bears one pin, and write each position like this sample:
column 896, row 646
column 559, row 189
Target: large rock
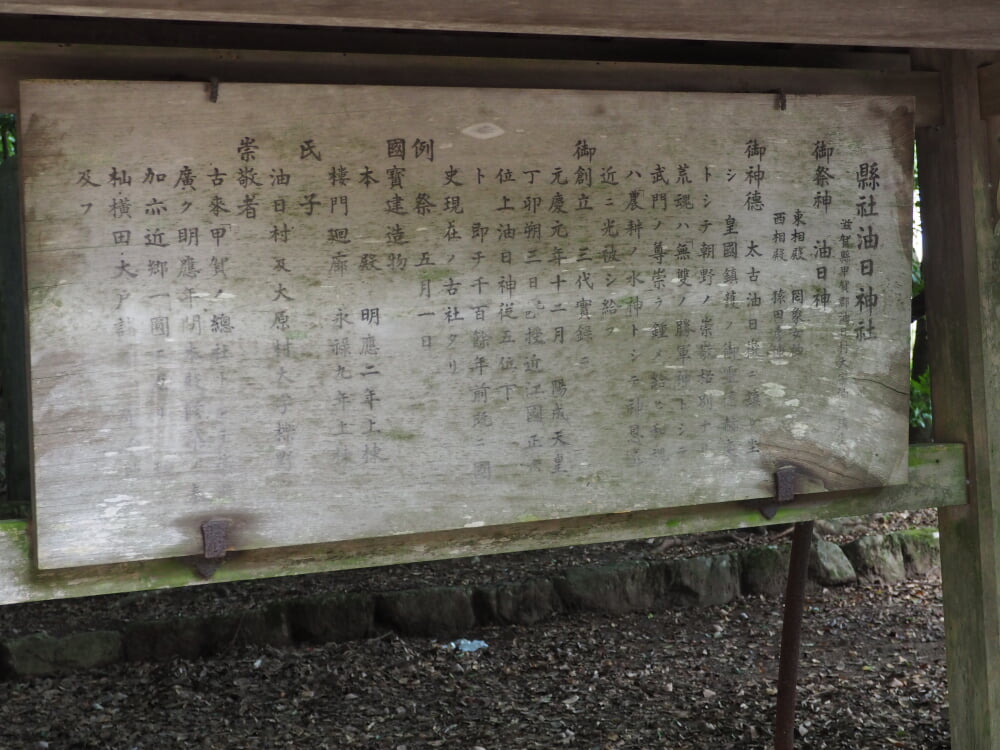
column 877, row 557
column 437, row 611
column 839, row 526
column 195, row 637
column 623, row 587
column 921, row 550
column 702, row 581
column 523, row 603
column 267, row 626
column 764, row 570
column 95, row 648
column 828, row 565
column 162, row 640
column 40, row 654
column 329, row 618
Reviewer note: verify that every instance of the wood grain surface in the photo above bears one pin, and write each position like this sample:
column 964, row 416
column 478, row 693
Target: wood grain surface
column 342, row 312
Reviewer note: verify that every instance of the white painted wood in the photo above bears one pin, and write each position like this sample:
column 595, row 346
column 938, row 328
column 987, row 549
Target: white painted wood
column 500, row 336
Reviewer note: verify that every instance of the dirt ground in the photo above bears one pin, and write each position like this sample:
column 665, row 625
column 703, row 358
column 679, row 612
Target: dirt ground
column 872, row 675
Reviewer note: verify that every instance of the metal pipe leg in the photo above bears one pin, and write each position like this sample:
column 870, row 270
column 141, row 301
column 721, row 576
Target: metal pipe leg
column 791, row 636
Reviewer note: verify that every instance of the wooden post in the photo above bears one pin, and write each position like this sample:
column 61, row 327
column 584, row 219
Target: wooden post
column 963, row 302
column 13, row 373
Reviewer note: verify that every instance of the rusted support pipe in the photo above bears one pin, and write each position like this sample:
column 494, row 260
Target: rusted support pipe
column 791, row 636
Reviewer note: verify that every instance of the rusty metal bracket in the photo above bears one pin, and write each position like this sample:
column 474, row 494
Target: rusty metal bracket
column 215, row 542
column 784, row 490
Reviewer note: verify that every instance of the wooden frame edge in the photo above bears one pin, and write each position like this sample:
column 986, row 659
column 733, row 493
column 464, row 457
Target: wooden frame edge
column 973, row 25
column 937, row 479
column 20, row 61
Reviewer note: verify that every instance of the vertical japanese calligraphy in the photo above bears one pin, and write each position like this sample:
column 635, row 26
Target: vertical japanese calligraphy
column 344, row 312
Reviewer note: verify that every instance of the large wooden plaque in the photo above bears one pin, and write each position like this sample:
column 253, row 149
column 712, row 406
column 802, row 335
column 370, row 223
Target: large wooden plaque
column 337, row 312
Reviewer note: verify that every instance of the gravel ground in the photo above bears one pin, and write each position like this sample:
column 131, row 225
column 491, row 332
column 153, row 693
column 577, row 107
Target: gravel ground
column 872, row 676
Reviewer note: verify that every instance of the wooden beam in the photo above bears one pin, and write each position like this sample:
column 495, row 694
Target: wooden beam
column 20, row 61
column 906, row 23
column 963, row 297
column 937, row 479
column 153, row 33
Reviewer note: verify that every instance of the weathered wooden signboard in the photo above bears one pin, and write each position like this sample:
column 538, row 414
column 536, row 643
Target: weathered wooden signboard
column 339, row 312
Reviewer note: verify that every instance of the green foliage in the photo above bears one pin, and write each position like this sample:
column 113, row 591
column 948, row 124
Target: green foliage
column 920, row 376
column 8, row 137
column 920, row 400
column 916, row 276
column 920, row 382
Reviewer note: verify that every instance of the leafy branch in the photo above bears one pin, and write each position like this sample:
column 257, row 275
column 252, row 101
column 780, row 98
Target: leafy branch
column 8, row 137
